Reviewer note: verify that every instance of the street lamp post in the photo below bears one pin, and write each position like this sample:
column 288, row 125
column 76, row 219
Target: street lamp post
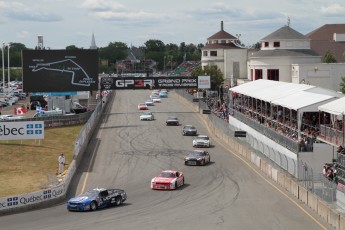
column 3, row 67
column 8, row 64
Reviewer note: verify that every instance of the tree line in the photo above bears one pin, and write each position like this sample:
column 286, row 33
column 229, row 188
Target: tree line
column 152, row 49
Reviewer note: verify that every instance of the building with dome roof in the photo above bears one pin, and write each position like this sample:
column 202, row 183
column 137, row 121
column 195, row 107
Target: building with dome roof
column 279, row 50
column 222, row 49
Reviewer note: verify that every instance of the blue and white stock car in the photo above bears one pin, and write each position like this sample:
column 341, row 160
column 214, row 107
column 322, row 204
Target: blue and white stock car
column 97, row 198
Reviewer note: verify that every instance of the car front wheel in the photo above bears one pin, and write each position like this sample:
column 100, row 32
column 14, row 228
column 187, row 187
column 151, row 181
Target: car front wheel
column 118, row 201
column 93, row 206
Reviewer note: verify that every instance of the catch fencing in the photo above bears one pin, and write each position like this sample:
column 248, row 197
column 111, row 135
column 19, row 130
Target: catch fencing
column 313, row 182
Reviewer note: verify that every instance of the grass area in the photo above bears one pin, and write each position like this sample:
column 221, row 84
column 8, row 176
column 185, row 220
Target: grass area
column 24, row 165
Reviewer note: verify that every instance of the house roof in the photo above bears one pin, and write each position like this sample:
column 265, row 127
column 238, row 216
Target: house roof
column 321, row 40
column 285, row 32
column 285, row 53
column 326, row 32
column 221, row 46
column 222, row 35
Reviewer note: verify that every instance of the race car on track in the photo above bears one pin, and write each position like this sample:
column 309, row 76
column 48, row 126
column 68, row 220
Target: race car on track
column 147, row 116
column 189, row 130
column 149, row 103
column 168, row 180
column 142, row 106
column 201, row 141
column 172, row 121
column 156, row 100
column 163, row 94
column 197, row 157
column 97, row 198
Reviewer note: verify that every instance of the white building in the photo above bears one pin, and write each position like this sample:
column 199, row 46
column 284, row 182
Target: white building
column 279, row 50
column 223, row 51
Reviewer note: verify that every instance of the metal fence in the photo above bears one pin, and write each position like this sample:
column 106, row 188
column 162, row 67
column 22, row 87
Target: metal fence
column 57, row 121
column 257, row 146
column 317, row 183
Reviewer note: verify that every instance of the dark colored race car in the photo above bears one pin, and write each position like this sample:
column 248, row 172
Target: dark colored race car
column 172, row 121
column 189, row 130
column 97, row 198
column 197, row 157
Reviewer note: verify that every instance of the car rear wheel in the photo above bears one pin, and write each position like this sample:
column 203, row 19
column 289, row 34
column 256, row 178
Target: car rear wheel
column 118, row 201
column 93, row 206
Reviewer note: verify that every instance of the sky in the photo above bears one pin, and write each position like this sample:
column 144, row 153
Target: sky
column 133, row 22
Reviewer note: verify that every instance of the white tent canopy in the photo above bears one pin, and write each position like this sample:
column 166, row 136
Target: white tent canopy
column 305, row 101
column 336, row 107
column 306, row 98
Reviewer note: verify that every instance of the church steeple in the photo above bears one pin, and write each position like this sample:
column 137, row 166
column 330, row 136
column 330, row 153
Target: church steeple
column 93, row 42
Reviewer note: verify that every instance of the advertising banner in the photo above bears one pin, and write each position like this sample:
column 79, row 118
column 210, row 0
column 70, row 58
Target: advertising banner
column 22, row 130
column 204, row 82
column 31, row 198
column 60, row 70
column 111, row 83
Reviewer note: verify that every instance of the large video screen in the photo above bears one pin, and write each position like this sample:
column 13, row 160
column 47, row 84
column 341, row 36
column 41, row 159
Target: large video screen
column 60, row 70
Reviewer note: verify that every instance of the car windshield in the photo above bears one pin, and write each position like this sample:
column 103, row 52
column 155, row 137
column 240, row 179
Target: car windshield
column 196, row 153
column 203, row 138
column 189, row 127
column 167, row 174
column 91, row 193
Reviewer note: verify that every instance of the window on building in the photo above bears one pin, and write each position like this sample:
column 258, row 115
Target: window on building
column 215, row 42
column 276, row 44
column 213, row 53
column 258, row 74
column 223, row 41
column 273, row 74
column 204, row 53
column 266, row 44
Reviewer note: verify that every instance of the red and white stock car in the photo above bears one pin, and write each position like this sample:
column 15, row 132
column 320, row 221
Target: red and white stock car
column 168, row 180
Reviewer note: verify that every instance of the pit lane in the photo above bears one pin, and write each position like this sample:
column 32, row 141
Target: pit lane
column 126, row 153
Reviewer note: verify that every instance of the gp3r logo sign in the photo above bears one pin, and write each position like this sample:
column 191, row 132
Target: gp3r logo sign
column 134, row 83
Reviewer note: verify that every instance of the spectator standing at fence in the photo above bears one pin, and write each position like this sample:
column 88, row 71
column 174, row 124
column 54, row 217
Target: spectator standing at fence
column 62, row 162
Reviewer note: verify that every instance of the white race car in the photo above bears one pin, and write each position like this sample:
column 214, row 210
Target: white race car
column 202, row 141
column 147, row 116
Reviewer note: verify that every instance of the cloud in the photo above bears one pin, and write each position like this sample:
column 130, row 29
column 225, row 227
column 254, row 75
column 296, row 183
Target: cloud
column 21, row 12
column 23, row 34
column 101, row 5
column 333, row 10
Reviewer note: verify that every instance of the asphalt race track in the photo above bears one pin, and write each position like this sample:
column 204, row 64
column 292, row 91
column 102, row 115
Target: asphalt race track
column 126, row 153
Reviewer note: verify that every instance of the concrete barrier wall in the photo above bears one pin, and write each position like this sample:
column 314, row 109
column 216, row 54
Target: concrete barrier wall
column 322, row 209
column 334, row 218
column 312, row 201
column 280, row 178
column 287, row 182
column 294, row 188
column 342, row 222
column 303, row 194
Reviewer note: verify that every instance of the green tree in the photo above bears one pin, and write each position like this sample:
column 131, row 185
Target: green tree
column 114, row 51
column 155, row 50
column 72, row 47
column 342, row 85
column 329, row 57
column 210, row 70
